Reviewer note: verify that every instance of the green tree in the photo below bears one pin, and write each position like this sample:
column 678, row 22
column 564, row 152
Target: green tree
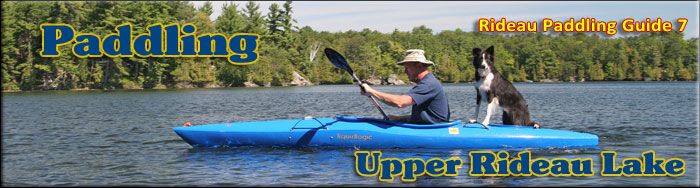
column 230, row 21
column 206, row 8
column 196, row 70
column 254, row 22
column 284, row 49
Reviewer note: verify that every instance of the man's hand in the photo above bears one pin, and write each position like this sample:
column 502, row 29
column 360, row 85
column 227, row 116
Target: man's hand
column 366, row 90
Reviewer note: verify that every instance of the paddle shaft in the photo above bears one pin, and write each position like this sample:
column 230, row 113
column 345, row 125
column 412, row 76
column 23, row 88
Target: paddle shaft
column 370, row 97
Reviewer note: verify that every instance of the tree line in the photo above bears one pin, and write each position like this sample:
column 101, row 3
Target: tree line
column 286, row 48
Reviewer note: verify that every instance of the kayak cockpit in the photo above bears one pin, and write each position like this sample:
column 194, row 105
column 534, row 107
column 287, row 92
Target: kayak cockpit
column 398, row 124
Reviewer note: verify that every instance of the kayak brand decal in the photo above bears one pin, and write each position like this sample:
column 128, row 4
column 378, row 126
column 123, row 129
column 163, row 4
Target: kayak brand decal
column 355, row 137
column 488, row 163
column 158, row 41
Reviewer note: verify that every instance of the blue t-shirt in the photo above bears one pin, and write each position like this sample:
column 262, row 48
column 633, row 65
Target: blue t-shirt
column 431, row 102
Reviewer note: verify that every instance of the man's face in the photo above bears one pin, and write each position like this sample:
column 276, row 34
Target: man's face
column 412, row 69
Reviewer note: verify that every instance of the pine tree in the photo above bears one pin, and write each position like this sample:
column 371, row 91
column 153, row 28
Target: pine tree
column 273, row 21
column 206, row 8
column 230, row 21
column 10, row 74
column 254, row 20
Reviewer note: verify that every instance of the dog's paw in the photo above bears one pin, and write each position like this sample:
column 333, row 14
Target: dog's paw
column 472, row 121
column 536, row 126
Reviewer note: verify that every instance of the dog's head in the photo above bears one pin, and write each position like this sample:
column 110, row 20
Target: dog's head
column 483, row 61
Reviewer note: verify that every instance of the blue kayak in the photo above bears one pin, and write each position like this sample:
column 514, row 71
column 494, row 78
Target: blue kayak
column 377, row 133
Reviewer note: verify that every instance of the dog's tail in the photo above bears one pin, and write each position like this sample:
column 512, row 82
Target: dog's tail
column 534, row 124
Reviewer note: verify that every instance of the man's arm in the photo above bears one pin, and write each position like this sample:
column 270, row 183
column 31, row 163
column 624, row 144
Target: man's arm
column 388, row 98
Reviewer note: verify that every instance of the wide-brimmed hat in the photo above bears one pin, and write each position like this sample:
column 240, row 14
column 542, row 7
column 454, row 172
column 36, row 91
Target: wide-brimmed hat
column 415, row 55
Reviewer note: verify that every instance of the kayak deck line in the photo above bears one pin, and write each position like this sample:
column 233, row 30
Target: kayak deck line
column 307, row 118
column 356, row 132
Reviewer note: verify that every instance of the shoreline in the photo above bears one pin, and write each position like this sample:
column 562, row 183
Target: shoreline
column 176, row 88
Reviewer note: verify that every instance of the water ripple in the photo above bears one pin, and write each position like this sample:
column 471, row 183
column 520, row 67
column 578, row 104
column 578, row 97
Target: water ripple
column 125, row 138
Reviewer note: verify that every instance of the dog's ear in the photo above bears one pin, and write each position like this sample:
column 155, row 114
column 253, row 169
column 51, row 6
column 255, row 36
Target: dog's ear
column 476, row 52
column 490, row 51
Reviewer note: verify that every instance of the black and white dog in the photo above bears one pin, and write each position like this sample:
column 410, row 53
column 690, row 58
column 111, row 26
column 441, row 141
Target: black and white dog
column 498, row 92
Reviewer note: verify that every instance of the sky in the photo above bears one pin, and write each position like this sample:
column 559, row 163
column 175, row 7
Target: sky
column 386, row 16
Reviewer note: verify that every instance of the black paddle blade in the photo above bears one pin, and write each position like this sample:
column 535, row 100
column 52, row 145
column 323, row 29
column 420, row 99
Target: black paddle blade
column 337, row 60
column 340, row 62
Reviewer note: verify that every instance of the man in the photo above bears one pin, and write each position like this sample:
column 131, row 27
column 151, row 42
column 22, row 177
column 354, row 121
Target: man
column 428, row 100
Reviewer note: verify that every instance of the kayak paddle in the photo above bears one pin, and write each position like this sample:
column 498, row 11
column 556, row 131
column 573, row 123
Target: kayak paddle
column 339, row 61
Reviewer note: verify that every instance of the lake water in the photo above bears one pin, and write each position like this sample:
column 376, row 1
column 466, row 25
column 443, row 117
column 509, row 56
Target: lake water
column 109, row 138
